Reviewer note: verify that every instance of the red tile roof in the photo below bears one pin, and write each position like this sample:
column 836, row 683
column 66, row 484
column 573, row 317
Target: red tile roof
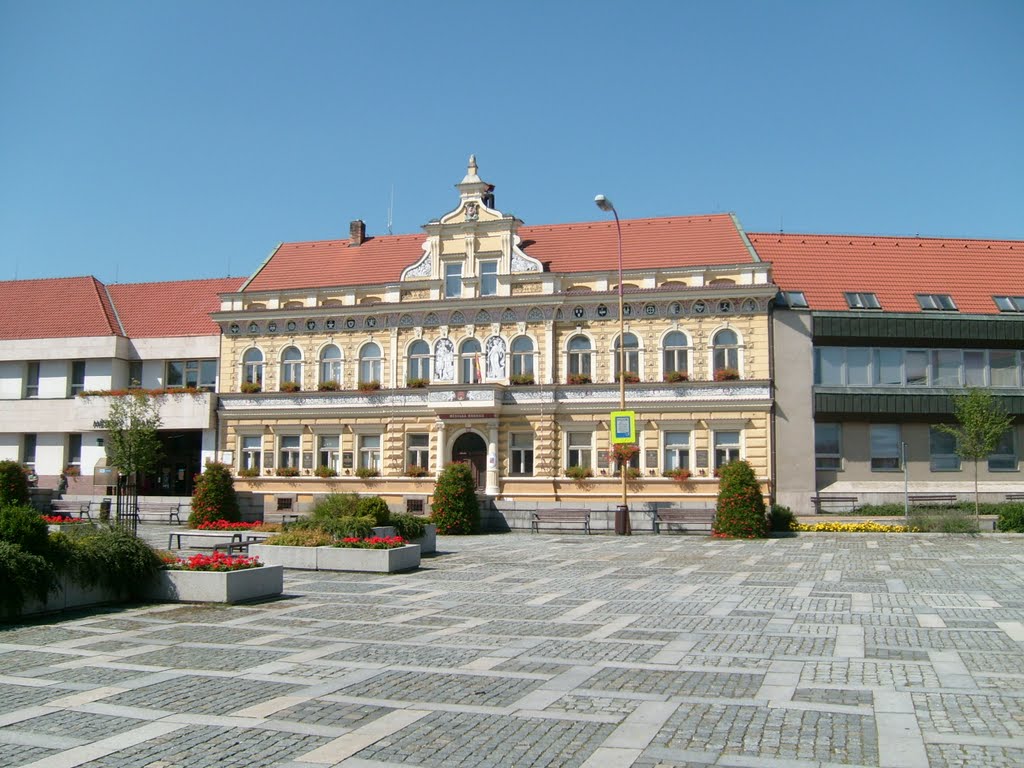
column 895, row 269
column 646, row 244
column 55, row 307
column 159, row 310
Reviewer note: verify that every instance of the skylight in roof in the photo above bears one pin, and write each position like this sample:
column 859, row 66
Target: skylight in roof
column 791, row 299
column 862, row 301
column 1009, row 303
column 940, row 302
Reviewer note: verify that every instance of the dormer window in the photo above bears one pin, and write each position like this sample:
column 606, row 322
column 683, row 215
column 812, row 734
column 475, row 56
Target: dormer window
column 791, row 299
column 453, row 280
column 937, row 302
column 859, row 300
column 1009, row 303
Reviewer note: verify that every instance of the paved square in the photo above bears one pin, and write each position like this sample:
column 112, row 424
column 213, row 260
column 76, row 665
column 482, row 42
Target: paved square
column 894, row 651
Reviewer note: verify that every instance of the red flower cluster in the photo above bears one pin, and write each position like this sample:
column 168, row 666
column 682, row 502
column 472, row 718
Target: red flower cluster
column 225, row 525
column 58, row 520
column 374, row 542
column 218, row 561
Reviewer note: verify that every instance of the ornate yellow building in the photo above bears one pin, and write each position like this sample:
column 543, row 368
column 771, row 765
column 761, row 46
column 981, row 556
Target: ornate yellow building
column 367, row 364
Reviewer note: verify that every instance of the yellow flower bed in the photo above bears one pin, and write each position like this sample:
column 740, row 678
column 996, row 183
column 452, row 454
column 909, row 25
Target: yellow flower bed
column 869, row 526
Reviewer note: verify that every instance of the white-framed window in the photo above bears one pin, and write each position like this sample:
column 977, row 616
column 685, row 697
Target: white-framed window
column 580, row 356
column 884, row 442
column 469, row 362
column 419, row 361
column 291, row 366
column 828, row 446
column 369, row 452
column 521, row 453
column 579, row 449
column 330, row 364
column 417, row 450
column 290, row 451
column 942, row 451
column 369, row 363
column 32, row 379
column 28, row 450
column 77, row 377
column 330, row 452
column 488, row 278
column 522, row 356
column 74, row 450
column 632, row 349
column 453, row 280
column 252, row 367
column 676, row 356
column 195, row 374
column 1004, row 457
column 725, row 353
column 251, row 455
column 727, row 447
column 675, row 450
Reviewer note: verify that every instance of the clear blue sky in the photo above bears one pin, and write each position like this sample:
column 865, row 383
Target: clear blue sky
column 182, row 139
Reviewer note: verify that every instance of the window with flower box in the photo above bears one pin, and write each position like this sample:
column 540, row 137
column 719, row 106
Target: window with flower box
column 727, row 447
column 291, row 367
column 369, row 452
column 369, row 364
column 725, row 354
column 252, row 367
column 579, row 449
column 632, row 350
column 419, row 361
column 580, row 356
column 522, row 356
column 290, row 453
column 676, row 450
column 250, row 456
column 417, row 450
column 676, row 356
column 330, row 365
column 329, row 452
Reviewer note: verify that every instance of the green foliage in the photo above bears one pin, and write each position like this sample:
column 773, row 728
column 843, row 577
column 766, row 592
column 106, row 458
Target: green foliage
column 13, row 483
column 880, row 510
column 456, row 508
column 301, row 537
column 1011, row 518
column 23, row 575
column 781, row 518
column 942, row 520
column 366, row 473
column 579, row 473
column 132, row 443
column 113, row 558
column 214, row 496
column 741, row 511
column 23, row 527
column 407, row 526
column 375, row 507
column 335, row 505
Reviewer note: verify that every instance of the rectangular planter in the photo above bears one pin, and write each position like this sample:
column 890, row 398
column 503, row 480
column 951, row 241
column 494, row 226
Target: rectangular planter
column 368, row 560
column 428, row 541
column 71, row 595
column 217, row 586
column 302, row 558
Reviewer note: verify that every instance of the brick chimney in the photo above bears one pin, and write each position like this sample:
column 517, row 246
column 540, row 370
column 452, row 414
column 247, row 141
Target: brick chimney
column 356, row 233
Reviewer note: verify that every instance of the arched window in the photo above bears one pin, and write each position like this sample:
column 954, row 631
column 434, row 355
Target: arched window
column 675, row 357
column 580, row 354
column 330, row 365
column 469, row 362
column 632, row 356
column 522, row 356
column 252, row 367
column 369, row 364
column 291, row 366
column 725, row 355
column 419, row 361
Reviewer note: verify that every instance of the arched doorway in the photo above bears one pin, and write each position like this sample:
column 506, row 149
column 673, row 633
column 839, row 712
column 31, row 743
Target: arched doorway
column 471, row 449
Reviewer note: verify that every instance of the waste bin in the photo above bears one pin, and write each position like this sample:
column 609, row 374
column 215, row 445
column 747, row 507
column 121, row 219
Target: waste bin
column 622, row 527
column 105, row 510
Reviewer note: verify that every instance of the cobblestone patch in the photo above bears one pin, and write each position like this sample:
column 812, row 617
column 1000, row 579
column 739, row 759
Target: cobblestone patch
column 407, row 655
column 534, row 629
column 443, row 688
column 896, row 654
column 332, row 713
column 532, row 667
column 940, row 639
column 98, row 676
column 643, row 635
column 200, row 614
column 443, row 739
column 197, row 633
column 597, row 650
column 972, row 756
column 594, row 705
column 869, row 673
column 1011, row 663
column 41, row 635
column 190, row 657
column 976, row 714
column 16, row 662
column 13, row 697
column 111, row 646
column 775, row 645
column 19, row 754
column 202, row 695
column 77, row 725
column 511, row 611
column 352, row 631
column 834, row 696
column 701, row 623
column 672, row 683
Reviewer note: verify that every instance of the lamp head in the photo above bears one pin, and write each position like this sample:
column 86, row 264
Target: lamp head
column 604, row 203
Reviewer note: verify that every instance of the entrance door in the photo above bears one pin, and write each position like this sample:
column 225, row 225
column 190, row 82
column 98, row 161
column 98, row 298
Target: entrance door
column 471, row 449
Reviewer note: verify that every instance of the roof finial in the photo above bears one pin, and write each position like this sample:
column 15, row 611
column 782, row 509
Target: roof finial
column 471, row 170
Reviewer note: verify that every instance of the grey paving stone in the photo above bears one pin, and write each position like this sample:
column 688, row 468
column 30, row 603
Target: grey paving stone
column 202, row 695
column 673, row 683
column 974, row 755
column 76, row 725
column 15, row 697
column 223, row 659
column 12, row 755
column 477, row 690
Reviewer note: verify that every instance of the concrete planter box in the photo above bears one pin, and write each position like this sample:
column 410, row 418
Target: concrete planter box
column 217, row 586
column 71, row 595
column 368, row 560
column 302, row 558
column 428, row 541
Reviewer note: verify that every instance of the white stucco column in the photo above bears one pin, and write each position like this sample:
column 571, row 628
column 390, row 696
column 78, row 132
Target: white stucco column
column 491, row 487
column 549, row 358
column 393, row 366
column 439, row 459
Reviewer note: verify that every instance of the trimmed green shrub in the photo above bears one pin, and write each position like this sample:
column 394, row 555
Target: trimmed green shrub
column 308, row 537
column 113, row 558
column 1011, row 518
column 13, row 483
column 23, row 527
column 335, row 525
column 375, row 507
column 879, row 510
column 456, row 508
column 214, row 496
column 741, row 511
column 781, row 518
column 407, row 526
column 23, row 576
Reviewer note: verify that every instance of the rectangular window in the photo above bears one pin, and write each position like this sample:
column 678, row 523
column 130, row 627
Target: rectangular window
column 828, row 447
column 488, row 278
column 1004, row 457
column 28, row 451
column 941, row 302
column 792, row 299
column 290, row 453
column 974, row 368
column 946, row 367
column 77, row 377
column 330, row 452
column 1009, row 303
column 418, row 450
column 942, row 450
column 32, row 380
column 196, row 374
column 1003, row 367
column 369, row 452
column 521, row 453
column 579, row 452
column 727, row 448
column 74, row 450
column 677, row 451
column 830, row 366
column 252, row 450
column 858, row 366
column 916, row 362
column 862, row 301
column 885, row 447
column 889, row 366
column 453, row 281
column 135, row 373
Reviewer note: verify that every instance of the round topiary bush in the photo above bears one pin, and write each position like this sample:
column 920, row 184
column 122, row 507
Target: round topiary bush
column 13, row 483
column 781, row 519
column 214, row 497
column 375, row 507
column 456, row 508
column 23, row 527
column 741, row 511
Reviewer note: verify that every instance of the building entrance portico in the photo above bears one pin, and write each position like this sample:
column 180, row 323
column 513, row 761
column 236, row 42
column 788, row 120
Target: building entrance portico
column 470, row 448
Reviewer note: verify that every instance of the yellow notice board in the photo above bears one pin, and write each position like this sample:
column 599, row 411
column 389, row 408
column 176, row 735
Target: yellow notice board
column 623, row 426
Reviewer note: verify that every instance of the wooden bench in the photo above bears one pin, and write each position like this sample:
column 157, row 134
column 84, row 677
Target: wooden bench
column 172, row 511
column 69, row 508
column 560, row 516
column 684, row 517
column 231, row 546
column 1015, row 497
column 822, row 499
column 932, row 498
column 232, row 536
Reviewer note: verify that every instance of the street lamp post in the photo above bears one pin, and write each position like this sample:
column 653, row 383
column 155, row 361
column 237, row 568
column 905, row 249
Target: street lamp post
column 622, row 525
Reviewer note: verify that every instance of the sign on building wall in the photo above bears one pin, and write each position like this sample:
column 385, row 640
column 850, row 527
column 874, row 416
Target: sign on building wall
column 623, row 425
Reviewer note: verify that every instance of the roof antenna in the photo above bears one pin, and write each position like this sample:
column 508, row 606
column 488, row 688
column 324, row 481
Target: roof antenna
column 780, row 224
column 391, row 209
